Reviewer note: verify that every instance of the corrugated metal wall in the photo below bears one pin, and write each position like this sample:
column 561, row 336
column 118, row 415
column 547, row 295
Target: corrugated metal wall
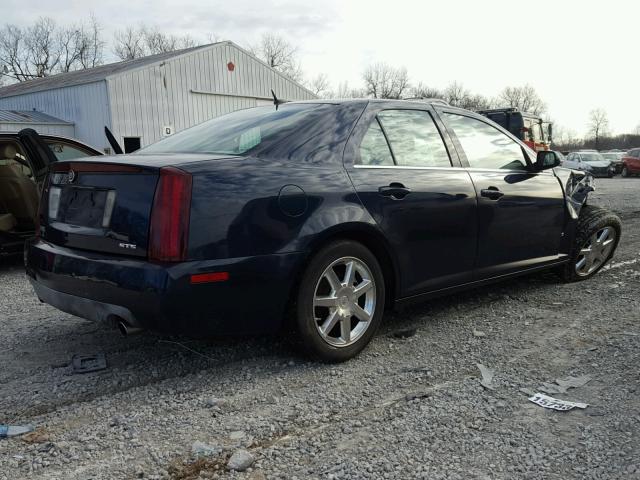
column 189, row 89
column 84, row 105
column 44, row 128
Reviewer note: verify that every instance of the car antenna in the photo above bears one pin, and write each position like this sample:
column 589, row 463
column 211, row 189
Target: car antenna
column 277, row 102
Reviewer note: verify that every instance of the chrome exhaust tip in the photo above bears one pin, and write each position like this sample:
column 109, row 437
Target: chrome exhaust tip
column 128, row 330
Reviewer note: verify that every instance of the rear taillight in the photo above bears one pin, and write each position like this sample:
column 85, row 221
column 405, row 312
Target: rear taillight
column 169, row 230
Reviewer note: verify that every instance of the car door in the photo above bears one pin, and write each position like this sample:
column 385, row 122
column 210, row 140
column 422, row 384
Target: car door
column 408, row 177
column 38, row 153
column 634, row 161
column 521, row 212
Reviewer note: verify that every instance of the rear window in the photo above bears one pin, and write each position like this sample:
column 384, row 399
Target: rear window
column 241, row 132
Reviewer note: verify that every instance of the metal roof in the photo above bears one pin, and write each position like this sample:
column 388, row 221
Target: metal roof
column 90, row 75
column 21, row 116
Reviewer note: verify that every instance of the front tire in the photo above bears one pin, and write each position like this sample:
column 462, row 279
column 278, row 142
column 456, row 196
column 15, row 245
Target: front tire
column 597, row 236
column 340, row 302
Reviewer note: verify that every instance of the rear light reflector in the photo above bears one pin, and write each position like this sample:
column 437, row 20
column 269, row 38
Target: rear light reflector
column 210, row 277
column 54, row 202
column 169, row 230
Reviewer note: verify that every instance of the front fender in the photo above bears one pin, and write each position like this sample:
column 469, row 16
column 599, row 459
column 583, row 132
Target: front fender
column 577, row 185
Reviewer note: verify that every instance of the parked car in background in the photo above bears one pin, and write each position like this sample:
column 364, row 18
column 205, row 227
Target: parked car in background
column 615, row 157
column 319, row 212
column 631, row 163
column 590, row 161
column 24, row 162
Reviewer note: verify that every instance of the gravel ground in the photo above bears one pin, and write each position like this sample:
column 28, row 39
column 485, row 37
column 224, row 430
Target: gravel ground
column 406, row 408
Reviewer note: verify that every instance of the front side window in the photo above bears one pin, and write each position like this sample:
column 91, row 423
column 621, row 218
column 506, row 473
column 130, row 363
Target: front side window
column 486, row 146
column 414, row 138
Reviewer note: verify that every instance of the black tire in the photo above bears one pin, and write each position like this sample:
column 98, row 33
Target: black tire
column 308, row 335
column 592, row 219
column 625, row 172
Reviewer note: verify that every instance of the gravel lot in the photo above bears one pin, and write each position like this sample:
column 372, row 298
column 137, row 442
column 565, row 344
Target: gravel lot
column 406, row 408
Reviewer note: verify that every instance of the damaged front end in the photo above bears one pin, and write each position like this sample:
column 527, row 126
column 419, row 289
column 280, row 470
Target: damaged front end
column 577, row 185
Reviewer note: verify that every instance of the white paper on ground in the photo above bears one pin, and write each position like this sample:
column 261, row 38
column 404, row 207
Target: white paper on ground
column 554, row 403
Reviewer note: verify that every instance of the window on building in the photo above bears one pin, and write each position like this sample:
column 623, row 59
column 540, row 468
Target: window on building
column 131, row 144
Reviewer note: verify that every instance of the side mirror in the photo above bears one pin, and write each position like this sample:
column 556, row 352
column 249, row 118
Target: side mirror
column 546, row 159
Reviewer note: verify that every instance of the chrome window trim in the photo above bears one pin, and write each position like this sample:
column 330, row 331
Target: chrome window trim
column 469, row 169
column 405, row 167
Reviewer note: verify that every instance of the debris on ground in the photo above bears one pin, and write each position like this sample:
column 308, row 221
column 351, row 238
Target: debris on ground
column 479, row 333
column 89, row 363
column 202, row 449
column 410, row 332
column 37, row 436
column 561, row 385
column 240, row 461
column 554, row 403
column 7, row 431
column 487, row 377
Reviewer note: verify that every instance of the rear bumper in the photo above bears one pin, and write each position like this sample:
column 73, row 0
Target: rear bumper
column 161, row 297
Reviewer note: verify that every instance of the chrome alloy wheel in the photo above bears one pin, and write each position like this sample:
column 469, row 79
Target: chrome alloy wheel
column 344, row 301
column 595, row 251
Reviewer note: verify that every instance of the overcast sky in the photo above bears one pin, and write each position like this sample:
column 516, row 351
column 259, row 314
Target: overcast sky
column 577, row 55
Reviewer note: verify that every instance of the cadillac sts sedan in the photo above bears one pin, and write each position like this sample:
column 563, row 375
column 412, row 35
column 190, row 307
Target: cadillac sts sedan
column 314, row 216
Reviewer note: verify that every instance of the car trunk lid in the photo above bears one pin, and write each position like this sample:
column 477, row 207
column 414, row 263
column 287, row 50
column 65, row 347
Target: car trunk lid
column 99, row 206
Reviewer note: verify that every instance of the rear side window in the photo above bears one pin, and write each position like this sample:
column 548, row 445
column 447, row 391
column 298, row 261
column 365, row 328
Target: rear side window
column 374, row 149
column 486, row 146
column 243, row 131
column 414, row 138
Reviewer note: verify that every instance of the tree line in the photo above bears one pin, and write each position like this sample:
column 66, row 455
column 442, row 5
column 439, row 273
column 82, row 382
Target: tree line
column 46, row 48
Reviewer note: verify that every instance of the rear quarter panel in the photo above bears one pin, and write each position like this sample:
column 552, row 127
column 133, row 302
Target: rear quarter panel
column 238, row 210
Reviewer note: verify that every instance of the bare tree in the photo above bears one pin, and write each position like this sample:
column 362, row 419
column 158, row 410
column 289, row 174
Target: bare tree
column 158, row 42
column 91, row 44
column 319, row 85
column 129, row 43
column 278, row 53
column 598, row 125
column 384, row 81
column 45, row 49
column 345, row 91
column 423, row 91
column 524, row 98
column 132, row 43
column 456, row 95
column 14, row 54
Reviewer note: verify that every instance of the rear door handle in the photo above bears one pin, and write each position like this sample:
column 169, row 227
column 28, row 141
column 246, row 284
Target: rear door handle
column 396, row 191
column 492, row 193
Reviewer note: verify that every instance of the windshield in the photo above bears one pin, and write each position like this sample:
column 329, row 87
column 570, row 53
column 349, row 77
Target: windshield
column 592, row 157
column 239, row 132
column 612, row 156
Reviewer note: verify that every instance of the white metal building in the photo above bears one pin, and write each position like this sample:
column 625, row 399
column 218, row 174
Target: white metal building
column 16, row 120
column 144, row 99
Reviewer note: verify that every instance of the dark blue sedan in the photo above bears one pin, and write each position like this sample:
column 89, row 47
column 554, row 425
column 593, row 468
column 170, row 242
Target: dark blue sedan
column 314, row 215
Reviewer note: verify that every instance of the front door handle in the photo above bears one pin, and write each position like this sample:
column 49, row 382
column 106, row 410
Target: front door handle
column 492, row 193
column 395, row 190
